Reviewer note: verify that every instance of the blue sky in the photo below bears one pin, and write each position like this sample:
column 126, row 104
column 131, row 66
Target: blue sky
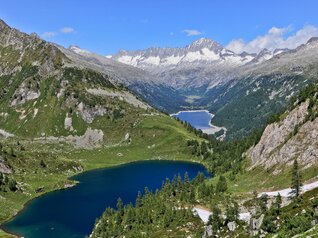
column 107, row 26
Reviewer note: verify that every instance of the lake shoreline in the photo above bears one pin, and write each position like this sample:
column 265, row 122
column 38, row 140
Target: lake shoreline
column 76, row 183
column 210, row 129
column 199, row 110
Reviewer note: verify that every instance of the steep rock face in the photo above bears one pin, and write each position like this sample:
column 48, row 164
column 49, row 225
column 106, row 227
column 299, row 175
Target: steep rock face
column 284, row 141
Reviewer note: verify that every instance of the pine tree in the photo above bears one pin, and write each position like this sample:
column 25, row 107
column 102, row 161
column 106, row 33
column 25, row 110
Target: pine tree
column 186, row 179
column 277, row 205
column 263, row 200
column 215, row 219
column 120, row 205
column 296, row 182
column 232, row 212
column 221, row 186
column 139, row 199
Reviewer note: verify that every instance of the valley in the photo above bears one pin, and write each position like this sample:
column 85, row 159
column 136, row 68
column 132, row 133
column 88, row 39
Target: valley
column 194, row 128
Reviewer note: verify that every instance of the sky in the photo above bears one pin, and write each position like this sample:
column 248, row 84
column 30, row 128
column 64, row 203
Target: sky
column 106, row 26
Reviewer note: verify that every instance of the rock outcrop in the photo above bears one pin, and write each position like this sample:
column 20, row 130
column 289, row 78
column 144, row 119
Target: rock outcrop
column 123, row 96
column 90, row 113
column 92, row 138
column 4, row 168
column 289, row 139
column 255, row 225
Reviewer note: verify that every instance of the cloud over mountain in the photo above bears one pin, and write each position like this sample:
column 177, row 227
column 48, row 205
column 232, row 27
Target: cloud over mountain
column 275, row 38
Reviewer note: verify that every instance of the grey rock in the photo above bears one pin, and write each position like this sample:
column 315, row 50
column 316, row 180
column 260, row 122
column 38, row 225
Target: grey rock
column 208, row 232
column 90, row 113
column 278, row 147
column 4, row 168
column 255, row 225
column 231, row 226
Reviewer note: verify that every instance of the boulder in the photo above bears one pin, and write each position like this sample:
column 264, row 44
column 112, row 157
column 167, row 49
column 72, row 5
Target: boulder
column 4, row 168
column 208, row 232
column 231, row 226
column 255, row 225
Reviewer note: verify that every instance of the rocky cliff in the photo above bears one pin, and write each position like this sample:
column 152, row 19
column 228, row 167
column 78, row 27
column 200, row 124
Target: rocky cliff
column 293, row 137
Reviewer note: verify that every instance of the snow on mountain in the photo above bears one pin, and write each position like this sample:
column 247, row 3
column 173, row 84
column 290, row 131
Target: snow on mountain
column 204, row 62
column 79, row 51
column 201, row 51
column 265, row 55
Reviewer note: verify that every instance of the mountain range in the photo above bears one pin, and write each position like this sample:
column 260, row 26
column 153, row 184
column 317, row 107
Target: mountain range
column 237, row 88
column 208, row 76
column 210, row 61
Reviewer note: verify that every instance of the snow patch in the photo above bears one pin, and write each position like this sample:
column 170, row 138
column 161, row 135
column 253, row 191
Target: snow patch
column 6, row 134
column 202, row 213
column 286, row 192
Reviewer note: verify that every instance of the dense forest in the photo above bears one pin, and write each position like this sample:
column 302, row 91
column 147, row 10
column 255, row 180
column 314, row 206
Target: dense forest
column 168, row 210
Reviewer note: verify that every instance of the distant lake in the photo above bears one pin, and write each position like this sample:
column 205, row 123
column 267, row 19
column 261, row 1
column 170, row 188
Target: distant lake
column 72, row 212
column 199, row 119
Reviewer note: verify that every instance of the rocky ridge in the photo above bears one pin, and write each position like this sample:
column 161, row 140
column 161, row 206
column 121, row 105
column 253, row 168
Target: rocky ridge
column 50, row 94
column 282, row 142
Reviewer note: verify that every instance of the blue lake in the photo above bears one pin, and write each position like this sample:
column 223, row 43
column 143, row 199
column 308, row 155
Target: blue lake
column 72, row 212
column 198, row 119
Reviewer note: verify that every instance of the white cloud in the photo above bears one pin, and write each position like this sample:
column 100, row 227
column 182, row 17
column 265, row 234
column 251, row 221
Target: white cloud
column 67, row 30
column 64, row 30
column 192, row 32
column 49, row 34
column 275, row 38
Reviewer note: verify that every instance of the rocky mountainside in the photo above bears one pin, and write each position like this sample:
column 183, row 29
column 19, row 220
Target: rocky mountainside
column 237, row 88
column 293, row 136
column 141, row 82
column 256, row 91
column 45, row 93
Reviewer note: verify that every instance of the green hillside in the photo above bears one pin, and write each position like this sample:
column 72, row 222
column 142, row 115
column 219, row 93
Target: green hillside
column 59, row 119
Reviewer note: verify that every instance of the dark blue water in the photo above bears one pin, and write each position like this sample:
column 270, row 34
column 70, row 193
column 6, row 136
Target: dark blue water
column 198, row 119
column 72, row 212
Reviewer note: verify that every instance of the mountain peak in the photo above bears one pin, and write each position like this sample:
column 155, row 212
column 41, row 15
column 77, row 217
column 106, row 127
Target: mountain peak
column 3, row 24
column 264, row 51
column 205, row 43
column 312, row 39
column 202, row 41
column 73, row 47
column 77, row 49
